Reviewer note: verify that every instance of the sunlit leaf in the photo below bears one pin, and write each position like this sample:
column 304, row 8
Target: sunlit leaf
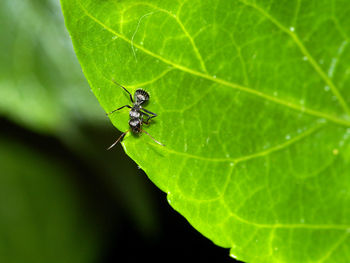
column 253, row 109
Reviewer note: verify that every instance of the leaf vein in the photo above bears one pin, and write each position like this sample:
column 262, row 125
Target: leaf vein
column 254, row 155
column 334, row 247
column 276, row 100
column 285, row 225
column 303, row 50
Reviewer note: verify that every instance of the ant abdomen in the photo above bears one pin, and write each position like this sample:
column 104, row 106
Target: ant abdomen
column 135, row 125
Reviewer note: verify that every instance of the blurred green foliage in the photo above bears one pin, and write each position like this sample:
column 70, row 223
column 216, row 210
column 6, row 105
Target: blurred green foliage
column 41, row 219
column 42, row 89
column 41, row 84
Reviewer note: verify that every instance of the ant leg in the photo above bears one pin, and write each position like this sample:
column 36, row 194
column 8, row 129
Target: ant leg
column 132, row 100
column 120, row 138
column 148, row 116
column 118, row 109
column 153, row 138
column 150, row 112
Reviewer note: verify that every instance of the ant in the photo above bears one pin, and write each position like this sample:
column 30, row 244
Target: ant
column 136, row 114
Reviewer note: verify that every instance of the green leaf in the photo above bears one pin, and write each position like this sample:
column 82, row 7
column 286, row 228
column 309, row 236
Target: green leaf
column 253, row 110
column 41, row 217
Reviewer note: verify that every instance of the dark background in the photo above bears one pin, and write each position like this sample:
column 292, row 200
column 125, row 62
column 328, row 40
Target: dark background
column 171, row 238
column 63, row 196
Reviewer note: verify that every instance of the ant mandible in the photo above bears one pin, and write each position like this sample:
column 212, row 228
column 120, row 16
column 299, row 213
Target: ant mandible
column 136, row 114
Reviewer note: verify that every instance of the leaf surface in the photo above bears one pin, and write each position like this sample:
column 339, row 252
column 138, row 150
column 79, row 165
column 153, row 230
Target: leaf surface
column 253, row 109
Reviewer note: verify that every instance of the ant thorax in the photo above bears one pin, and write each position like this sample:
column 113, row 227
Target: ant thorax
column 135, row 112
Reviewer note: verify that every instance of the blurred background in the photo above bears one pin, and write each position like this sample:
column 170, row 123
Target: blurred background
column 63, row 196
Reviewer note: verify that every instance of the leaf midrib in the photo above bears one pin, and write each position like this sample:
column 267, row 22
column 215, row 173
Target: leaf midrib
column 274, row 99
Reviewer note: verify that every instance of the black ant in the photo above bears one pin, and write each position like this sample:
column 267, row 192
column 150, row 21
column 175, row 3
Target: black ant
column 136, row 114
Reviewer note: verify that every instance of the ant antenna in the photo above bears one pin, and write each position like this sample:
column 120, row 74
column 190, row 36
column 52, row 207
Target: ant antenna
column 123, row 89
column 153, row 138
column 117, row 83
column 120, row 137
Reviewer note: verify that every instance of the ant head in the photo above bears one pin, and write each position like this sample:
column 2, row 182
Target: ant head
column 141, row 96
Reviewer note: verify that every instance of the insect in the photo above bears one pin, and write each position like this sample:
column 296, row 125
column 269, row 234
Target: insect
column 137, row 114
